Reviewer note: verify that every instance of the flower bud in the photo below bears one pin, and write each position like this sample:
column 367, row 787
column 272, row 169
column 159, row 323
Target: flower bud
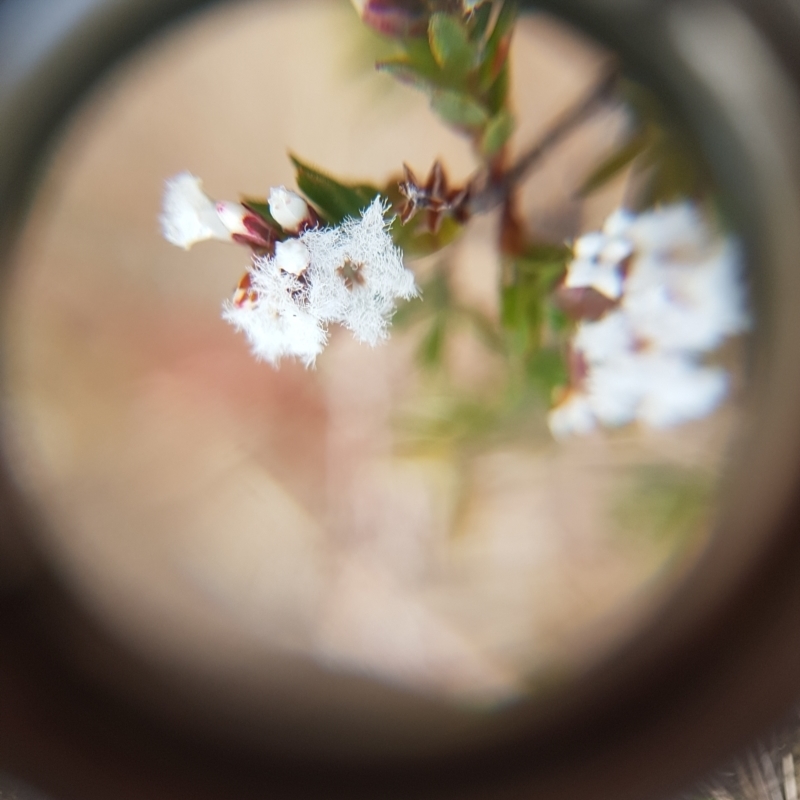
column 288, row 209
column 396, row 18
column 292, row 256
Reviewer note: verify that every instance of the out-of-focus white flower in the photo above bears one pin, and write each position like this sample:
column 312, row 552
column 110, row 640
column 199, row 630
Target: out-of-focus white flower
column 688, row 306
column 189, row 215
column 288, row 209
column 598, row 264
column 573, row 416
column 608, row 338
column 681, row 294
column 352, row 274
column 660, row 390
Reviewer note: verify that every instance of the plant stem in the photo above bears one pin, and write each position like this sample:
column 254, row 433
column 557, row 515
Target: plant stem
column 489, row 191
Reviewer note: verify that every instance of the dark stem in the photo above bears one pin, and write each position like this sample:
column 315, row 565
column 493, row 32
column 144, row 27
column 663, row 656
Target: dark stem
column 489, row 191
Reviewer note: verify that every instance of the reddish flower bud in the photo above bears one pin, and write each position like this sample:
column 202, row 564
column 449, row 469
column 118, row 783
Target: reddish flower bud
column 396, row 18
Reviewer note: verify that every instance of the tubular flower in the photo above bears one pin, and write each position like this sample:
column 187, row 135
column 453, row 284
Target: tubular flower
column 678, row 294
column 189, row 215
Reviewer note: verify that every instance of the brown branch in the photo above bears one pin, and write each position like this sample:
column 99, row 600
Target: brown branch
column 488, row 192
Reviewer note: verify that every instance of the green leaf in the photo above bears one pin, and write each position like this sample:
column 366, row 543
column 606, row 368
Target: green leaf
column 557, row 320
column 497, row 93
column 543, row 252
column 459, row 109
column 547, row 370
column 432, row 348
column 521, row 307
column 261, row 207
column 416, row 241
column 664, row 503
column 495, row 55
column 616, row 162
column 676, row 170
column 497, row 133
column 450, row 45
column 479, row 21
column 335, row 200
column 407, row 72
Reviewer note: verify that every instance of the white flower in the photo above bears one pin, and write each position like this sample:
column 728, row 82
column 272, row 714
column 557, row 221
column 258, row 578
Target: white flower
column 356, row 274
column 288, row 209
column 351, row 274
column 678, row 390
column 688, row 306
column 608, row 338
column 573, row 416
column 680, row 296
column 189, row 215
column 658, row 389
column 277, row 323
column 598, row 264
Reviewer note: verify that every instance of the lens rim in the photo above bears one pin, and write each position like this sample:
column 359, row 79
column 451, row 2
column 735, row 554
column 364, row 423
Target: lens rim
column 718, row 662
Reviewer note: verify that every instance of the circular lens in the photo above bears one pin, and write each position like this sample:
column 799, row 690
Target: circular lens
column 459, row 434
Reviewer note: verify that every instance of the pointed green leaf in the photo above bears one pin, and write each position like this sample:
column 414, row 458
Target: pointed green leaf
column 335, row 200
column 616, row 163
column 547, row 370
column 406, row 72
column 495, row 54
column 496, row 94
column 416, row 240
column 450, row 44
column 497, row 133
column 479, row 21
column 261, row 207
column 459, row 109
column 432, row 346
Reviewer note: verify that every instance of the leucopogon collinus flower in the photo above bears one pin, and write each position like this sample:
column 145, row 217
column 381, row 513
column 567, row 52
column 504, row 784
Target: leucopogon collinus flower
column 678, row 293
column 189, row 216
column 351, row 274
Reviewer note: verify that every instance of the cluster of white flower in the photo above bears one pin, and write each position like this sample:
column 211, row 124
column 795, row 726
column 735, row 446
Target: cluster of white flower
column 678, row 293
column 351, row 274
column 311, row 277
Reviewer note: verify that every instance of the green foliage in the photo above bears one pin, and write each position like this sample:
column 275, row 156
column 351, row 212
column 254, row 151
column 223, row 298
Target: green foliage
column 663, row 503
column 415, row 240
column 450, row 43
column 460, row 110
column 260, row 207
column 497, row 132
column 619, row 160
column 432, row 347
column 666, row 162
column 334, row 199
column 546, row 371
column 495, row 53
column 530, row 278
column 463, row 67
